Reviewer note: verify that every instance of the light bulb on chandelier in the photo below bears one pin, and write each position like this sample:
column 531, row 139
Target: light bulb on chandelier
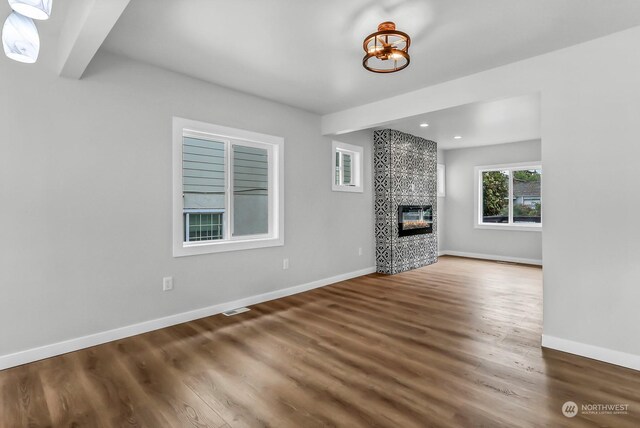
column 35, row 9
column 387, row 50
column 20, row 38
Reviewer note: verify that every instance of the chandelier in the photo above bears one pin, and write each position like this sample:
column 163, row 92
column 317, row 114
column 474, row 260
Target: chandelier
column 20, row 37
column 387, row 50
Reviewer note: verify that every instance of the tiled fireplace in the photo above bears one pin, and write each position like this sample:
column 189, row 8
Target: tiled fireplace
column 406, row 201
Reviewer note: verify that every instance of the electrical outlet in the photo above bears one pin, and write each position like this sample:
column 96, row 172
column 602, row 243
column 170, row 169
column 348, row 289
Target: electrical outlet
column 285, row 263
column 359, row 251
column 167, row 283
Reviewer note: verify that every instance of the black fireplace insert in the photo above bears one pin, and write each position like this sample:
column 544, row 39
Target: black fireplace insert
column 415, row 220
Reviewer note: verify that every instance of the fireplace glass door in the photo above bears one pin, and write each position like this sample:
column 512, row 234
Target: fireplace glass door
column 415, row 220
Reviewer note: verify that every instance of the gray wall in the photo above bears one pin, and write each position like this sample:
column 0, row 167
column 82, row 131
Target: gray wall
column 459, row 234
column 85, row 184
column 591, row 245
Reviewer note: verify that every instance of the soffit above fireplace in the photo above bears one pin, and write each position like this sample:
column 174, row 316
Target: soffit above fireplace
column 480, row 124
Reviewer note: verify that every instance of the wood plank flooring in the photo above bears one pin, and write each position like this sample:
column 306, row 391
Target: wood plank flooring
column 456, row 344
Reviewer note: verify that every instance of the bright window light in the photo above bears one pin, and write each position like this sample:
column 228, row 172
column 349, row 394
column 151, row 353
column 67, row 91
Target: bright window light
column 441, row 180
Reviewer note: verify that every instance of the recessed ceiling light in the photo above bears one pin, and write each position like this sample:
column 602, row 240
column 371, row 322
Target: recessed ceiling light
column 424, row 125
column 457, row 137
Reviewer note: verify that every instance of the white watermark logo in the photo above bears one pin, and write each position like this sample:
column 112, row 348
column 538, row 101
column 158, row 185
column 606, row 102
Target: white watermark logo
column 570, row 409
column 605, row 409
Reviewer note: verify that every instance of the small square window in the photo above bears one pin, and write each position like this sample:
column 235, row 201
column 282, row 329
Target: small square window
column 346, row 167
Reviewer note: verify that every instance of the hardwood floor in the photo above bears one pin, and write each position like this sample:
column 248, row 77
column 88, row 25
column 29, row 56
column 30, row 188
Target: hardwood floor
column 456, row 344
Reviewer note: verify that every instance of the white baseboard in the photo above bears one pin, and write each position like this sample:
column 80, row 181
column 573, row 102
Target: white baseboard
column 491, row 257
column 59, row 348
column 618, row 358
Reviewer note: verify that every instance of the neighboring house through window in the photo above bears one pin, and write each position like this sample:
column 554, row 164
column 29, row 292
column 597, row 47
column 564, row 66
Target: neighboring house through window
column 509, row 196
column 228, row 189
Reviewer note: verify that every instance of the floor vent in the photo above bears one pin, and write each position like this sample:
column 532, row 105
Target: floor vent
column 235, row 311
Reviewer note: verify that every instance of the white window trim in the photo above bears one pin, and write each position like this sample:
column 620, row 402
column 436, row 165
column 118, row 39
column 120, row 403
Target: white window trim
column 275, row 145
column 357, row 167
column 441, row 180
column 477, row 223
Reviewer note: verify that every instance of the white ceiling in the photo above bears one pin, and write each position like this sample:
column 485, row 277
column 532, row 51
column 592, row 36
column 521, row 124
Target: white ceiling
column 479, row 124
column 308, row 53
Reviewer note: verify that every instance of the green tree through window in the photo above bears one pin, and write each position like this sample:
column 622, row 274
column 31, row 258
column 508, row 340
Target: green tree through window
column 526, row 175
column 495, row 193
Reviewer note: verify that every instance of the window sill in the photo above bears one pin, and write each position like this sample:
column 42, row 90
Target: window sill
column 508, row 227
column 194, row 249
column 352, row 189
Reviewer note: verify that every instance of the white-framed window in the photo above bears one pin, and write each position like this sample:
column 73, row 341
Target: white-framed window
column 509, row 196
column 346, row 167
column 228, row 189
column 441, row 180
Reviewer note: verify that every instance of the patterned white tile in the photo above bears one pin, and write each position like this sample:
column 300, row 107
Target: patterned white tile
column 404, row 174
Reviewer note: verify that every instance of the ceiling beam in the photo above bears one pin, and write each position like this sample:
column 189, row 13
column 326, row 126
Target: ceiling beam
column 86, row 27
